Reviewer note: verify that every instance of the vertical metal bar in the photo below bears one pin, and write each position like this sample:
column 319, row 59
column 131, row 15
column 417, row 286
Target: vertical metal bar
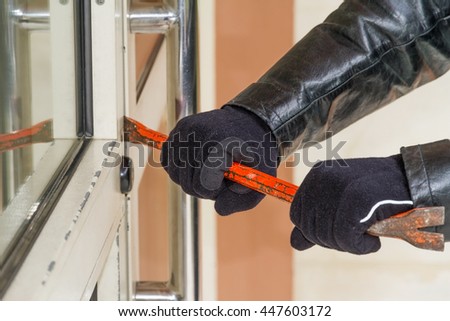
column 178, row 20
column 8, row 88
column 182, row 101
column 14, row 95
column 8, row 91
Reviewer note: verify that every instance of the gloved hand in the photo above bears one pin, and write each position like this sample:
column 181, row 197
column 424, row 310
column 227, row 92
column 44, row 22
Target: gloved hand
column 202, row 147
column 340, row 199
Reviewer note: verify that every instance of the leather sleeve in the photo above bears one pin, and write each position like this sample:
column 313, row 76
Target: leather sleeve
column 428, row 172
column 366, row 54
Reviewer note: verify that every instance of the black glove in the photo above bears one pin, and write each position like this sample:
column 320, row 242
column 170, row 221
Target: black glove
column 202, row 147
column 340, row 199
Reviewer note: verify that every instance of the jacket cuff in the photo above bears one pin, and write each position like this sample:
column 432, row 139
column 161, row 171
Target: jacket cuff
column 428, row 172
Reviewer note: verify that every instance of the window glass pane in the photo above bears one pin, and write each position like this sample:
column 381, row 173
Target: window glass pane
column 37, row 107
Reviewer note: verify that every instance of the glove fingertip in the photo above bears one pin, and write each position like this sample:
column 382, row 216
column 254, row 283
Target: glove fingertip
column 298, row 240
column 228, row 202
column 295, row 212
column 366, row 245
column 211, row 179
column 222, row 209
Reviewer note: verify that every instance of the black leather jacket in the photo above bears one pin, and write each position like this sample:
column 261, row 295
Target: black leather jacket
column 366, row 54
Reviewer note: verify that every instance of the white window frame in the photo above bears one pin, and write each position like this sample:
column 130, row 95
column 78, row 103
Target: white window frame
column 88, row 244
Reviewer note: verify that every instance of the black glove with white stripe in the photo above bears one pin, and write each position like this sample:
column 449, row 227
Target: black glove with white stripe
column 340, row 199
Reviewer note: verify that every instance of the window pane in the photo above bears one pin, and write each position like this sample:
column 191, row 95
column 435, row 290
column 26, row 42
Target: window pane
column 37, row 108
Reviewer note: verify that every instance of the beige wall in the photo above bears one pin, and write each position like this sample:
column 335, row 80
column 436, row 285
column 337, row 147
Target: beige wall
column 398, row 271
column 254, row 255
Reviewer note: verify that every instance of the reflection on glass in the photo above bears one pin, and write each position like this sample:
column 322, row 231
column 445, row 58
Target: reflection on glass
column 35, row 134
column 147, row 48
column 20, row 209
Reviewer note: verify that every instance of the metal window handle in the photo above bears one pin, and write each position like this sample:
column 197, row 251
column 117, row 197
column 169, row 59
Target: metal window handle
column 176, row 19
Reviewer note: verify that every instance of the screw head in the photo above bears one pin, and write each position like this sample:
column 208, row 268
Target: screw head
column 100, row 2
column 63, row 2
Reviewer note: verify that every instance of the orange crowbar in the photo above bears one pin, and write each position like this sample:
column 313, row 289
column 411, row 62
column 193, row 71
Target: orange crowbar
column 404, row 226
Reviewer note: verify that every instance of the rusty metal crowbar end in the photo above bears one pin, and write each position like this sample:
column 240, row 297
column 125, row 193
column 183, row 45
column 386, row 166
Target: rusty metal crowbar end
column 406, row 226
